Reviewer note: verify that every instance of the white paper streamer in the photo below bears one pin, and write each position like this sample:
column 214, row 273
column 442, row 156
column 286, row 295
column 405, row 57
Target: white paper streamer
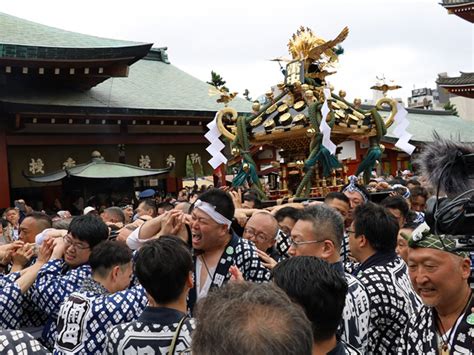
column 216, row 145
column 324, row 127
column 400, row 131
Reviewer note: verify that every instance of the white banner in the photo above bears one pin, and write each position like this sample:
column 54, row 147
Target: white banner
column 324, row 127
column 400, row 131
column 216, row 145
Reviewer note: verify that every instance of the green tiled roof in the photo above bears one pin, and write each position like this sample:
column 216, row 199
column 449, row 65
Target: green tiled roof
column 14, row 30
column 464, row 79
column 448, row 126
column 450, row 3
column 151, row 85
column 24, row 39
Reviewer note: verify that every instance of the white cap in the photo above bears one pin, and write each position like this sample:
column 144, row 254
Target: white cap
column 88, row 209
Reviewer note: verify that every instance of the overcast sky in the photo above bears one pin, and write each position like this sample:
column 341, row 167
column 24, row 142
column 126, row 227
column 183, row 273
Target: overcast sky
column 408, row 41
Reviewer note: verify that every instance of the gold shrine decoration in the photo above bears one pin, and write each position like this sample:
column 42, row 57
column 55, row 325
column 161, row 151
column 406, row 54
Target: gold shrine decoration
column 305, row 45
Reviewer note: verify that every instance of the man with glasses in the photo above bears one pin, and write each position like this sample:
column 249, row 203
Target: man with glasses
column 66, row 269
column 373, row 239
column 319, row 232
column 262, row 229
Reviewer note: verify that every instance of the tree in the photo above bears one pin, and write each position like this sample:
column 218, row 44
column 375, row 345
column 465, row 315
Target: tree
column 247, row 95
column 217, row 81
column 451, row 107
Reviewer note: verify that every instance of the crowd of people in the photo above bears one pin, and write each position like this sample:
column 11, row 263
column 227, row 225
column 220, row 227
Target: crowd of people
column 215, row 273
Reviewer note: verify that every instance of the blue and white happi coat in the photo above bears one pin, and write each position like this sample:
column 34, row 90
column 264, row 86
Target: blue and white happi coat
column 20, row 343
column 151, row 334
column 53, row 285
column 392, row 301
column 10, row 301
column 87, row 314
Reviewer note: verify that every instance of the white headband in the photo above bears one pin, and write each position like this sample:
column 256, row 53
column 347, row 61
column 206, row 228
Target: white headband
column 406, row 194
column 211, row 211
column 352, row 187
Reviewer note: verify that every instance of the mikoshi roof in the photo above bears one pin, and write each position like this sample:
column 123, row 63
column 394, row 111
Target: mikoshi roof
column 98, row 168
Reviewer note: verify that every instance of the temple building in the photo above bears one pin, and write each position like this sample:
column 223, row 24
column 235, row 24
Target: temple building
column 65, row 95
column 462, row 8
column 460, row 88
column 81, row 115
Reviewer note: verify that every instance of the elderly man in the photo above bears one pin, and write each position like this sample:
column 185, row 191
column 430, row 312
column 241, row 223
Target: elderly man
column 319, row 232
column 262, row 229
column 439, row 274
column 217, row 248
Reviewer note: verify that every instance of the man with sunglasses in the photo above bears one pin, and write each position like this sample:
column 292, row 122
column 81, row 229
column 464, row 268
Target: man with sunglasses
column 319, row 232
column 67, row 269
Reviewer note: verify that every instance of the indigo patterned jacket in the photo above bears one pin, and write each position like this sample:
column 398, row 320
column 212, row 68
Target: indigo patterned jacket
column 53, row 285
column 86, row 315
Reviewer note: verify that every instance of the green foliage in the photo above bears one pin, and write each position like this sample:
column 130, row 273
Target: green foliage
column 217, row 81
column 247, row 95
column 451, row 107
column 189, row 168
column 338, row 50
column 193, row 170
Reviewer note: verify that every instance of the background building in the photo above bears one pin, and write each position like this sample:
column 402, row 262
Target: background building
column 64, row 95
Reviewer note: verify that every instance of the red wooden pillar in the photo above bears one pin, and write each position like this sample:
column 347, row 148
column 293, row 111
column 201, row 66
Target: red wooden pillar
column 393, row 162
column 4, row 180
column 219, row 176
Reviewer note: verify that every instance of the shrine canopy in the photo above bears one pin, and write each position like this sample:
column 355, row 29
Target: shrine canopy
column 98, row 168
